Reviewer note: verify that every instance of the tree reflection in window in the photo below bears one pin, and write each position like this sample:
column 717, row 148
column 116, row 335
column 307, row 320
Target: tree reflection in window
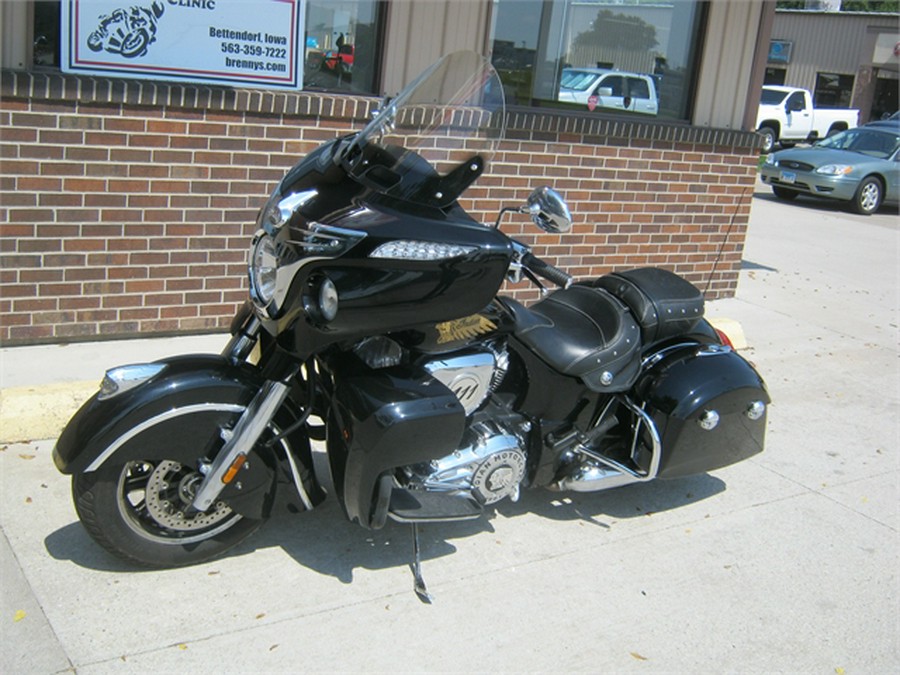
column 658, row 40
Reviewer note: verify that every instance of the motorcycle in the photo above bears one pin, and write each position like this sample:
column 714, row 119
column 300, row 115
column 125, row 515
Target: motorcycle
column 127, row 32
column 375, row 362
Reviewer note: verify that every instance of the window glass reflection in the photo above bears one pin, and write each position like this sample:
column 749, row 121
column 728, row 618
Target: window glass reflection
column 341, row 45
column 634, row 58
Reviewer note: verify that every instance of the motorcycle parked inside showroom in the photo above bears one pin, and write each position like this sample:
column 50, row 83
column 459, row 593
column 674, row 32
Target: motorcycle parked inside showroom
column 376, row 364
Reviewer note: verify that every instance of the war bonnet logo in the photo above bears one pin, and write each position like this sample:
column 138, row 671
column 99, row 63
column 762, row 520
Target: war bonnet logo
column 128, row 32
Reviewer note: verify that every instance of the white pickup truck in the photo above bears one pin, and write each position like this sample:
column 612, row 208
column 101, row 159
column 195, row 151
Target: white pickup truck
column 786, row 115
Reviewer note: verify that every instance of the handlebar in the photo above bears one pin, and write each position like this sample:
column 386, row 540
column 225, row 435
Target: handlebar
column 546, row 270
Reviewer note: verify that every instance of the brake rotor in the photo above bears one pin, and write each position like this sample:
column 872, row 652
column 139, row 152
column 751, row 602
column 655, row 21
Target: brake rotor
column 169, row 493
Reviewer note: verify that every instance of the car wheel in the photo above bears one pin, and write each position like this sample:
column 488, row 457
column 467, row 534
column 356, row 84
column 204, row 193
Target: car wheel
column 769, row 138
column 868, row 196
column 784, row 193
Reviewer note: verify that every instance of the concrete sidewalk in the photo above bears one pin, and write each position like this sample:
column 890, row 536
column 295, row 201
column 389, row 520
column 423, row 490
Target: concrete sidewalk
column 786, row 562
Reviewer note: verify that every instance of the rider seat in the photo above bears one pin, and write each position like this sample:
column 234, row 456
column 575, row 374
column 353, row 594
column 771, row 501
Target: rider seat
column 583, row 332
column 665, row 304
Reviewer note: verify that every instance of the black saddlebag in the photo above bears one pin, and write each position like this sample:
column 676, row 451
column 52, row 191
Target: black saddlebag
column 664, row 304
column 709, row 406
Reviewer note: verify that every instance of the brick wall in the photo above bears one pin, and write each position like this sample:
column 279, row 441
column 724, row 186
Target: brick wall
column 127, row 208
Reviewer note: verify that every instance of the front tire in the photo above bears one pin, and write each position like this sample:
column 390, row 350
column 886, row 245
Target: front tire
column 138, row 507
column 784, row 193
column 138, row 512
column 868, row 197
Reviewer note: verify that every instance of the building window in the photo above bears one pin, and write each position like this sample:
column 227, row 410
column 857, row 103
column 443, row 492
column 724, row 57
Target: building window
column 833, row 90
column 562, row 54
column 775, row 76
column 46, row 34
column 341, row 47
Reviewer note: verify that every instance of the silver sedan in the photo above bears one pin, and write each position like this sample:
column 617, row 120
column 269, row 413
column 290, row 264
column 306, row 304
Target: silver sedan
column 859, row 166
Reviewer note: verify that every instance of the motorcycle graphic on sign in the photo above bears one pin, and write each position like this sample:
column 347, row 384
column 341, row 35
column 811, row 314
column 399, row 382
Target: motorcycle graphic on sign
column 128, row 32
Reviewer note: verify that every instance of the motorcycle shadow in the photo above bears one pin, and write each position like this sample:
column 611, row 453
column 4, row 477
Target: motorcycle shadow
column 324, row 541
column 629, row 501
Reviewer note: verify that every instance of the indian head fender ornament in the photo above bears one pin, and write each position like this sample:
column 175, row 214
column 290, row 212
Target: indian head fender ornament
column 464, row 329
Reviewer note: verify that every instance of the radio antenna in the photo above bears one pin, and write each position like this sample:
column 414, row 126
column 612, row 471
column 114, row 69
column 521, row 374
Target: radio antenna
column 724, row 241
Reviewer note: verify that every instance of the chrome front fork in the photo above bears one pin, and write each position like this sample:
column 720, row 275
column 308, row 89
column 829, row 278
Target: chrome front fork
column 249, row 428
column 238, row 442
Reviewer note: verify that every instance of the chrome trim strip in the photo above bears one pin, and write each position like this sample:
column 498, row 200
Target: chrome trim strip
column 656, row 357
column 162, row 417
column 298, row 482
column 443, row 519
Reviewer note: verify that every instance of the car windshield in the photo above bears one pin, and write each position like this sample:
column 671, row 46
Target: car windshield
column 579, row 80
column 772, row 96
column 436, row 136
column 878, row 143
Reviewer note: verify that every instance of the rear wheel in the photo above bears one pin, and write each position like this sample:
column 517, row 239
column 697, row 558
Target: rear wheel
column 868, row 197
column 784, row 193
column 140, row 510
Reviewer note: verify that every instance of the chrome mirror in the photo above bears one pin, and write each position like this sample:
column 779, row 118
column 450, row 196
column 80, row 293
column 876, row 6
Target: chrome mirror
column 548, row 210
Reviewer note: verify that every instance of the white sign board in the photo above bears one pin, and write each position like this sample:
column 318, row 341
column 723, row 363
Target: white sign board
column 249, row 43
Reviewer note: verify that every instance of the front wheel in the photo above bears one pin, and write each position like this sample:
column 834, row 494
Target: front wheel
column 137, row 504
column 140, row 512
column 784, row 193
column 868, row 196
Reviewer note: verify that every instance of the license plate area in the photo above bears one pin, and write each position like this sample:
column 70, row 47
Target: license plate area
column 788, row 177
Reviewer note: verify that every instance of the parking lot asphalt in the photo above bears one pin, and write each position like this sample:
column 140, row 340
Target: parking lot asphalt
column 784, row 563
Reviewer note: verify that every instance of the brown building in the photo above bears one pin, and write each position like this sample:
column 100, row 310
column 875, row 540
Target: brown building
column 127, row 204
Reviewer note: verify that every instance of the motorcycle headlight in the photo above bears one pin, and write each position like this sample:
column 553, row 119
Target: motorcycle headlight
column 263, row 268
column 835, row 169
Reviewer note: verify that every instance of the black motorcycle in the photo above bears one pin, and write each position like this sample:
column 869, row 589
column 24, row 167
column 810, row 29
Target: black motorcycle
column 376, row 363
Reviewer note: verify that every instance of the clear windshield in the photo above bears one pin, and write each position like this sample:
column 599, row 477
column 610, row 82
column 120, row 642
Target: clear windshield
column 436, row 136
column 873, row 142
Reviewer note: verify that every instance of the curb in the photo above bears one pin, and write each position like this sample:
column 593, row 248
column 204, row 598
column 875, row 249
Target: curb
column 40, row 412
column 732, row 329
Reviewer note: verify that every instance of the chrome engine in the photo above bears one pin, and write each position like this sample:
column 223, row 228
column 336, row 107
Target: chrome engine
column 471, row 376
column 490, row 464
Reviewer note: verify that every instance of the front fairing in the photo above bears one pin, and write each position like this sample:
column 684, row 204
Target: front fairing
column 388, row 294
column 380, row 222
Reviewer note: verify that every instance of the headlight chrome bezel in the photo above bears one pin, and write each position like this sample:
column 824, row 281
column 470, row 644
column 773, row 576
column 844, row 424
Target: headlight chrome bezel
column 264, row 264
column 275, row 261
